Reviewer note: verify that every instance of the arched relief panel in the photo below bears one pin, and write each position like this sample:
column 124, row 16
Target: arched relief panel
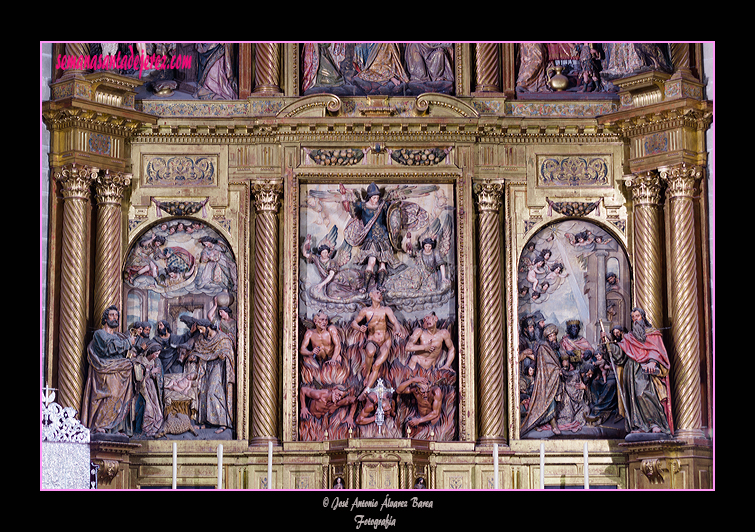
column 178, row 271
column 330, row 277
column 176, row 179
column 175, row 183
column 568, row 260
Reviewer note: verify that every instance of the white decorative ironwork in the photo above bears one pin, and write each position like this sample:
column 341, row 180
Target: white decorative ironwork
column 66, row 462
column 59, row 424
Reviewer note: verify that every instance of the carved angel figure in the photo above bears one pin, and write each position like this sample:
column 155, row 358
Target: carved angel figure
column 337, row 281
column 428, row 273
column 378, row 221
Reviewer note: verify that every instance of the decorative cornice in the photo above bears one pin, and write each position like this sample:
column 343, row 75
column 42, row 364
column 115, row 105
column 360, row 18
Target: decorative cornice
column 101, row 120
column 681, row 113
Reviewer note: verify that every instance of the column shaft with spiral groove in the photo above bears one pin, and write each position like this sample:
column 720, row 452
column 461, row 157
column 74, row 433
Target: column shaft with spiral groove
column 488, row 67
column 491, row 346
column 108, row 286
column 267, row 69
column 75, row 181
column 265, row 339
column 648, row 246
column 681, row 183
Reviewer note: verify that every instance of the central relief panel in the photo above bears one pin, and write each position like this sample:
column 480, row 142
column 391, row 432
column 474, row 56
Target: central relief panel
column 377, row 311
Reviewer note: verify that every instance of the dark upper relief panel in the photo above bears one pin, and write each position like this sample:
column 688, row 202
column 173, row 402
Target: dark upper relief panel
column 226, row 71
column 362, row 69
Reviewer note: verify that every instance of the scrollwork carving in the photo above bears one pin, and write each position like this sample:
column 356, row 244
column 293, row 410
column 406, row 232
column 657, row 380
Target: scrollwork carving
column 658, row 469
column 107, row 470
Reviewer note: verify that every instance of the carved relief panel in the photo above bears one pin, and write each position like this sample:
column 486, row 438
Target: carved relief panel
column 572, row 275
column 180, row 290
column 377, row 311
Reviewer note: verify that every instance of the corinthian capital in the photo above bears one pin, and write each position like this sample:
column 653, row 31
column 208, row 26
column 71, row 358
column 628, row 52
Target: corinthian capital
column 489, row 196
column 266, row 196
column 76, row 180
column 110, row 186
column 646, row 187
column 681, row 179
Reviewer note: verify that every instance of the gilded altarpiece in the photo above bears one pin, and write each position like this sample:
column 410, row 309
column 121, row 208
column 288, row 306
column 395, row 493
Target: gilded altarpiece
column 387, row 235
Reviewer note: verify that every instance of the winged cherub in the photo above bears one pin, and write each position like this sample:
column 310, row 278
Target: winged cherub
column 330, row 261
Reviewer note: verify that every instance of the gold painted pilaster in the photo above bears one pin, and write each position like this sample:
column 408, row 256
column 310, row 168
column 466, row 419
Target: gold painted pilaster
column 648, row 248
column 267, row 69
column 265, row 337
column 75, row 181
column 491, row 346
column 681, row 183
column 508, row 69
column 107, row 274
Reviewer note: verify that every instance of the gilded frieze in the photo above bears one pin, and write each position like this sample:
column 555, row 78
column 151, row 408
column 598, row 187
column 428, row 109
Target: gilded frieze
column 573, row 171
column 182, row 170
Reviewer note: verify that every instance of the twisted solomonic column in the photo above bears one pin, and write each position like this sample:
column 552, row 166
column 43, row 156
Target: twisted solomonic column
column 648, row 244
column 491, row 345
column 267, row 69
column 265, row 336
column 681, row 181
column 488, row 67
column 108, row 286
column 75, row 189
column 76, row 50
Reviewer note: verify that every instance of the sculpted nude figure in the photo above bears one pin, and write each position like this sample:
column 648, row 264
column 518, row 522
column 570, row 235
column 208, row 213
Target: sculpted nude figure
column 428, row 396
column 426, row 344
column 324, row 402
column 378, row 336
column 324, row 339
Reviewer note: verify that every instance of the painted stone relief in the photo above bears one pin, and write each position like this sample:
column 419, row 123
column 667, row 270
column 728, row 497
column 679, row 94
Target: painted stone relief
column 202, row 71
column 570, row 274
column 377, row 305
column 359, row 69
column 180, row 285
column 585, row 67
